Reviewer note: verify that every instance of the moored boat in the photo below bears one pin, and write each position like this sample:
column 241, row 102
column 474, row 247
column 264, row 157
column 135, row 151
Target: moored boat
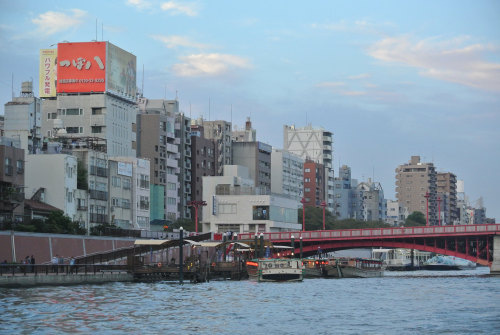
column 441, row 263
column 275, row 269
column 314, row 268
column 355, row 268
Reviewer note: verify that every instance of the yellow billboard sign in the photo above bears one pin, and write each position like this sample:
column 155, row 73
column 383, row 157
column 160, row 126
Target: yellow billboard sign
column 48, row 73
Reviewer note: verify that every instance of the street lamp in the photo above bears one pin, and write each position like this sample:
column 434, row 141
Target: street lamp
column 303, row 202
column 292, row 242
column 427, row 195
column 323, row 204
column 196, row 204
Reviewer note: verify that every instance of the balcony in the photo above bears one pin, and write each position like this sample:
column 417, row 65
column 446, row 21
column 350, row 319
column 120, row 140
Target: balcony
column 98, row 195
column 98, row 171
column 98, row 218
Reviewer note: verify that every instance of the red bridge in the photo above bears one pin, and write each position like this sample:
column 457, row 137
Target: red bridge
column 472, row 242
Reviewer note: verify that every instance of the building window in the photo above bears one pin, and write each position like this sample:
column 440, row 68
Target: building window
column 72, row 130
column 96, row 129
column 126, row 183
column 116, row 181
column 307, row 170
column 260, row 212
column 74, row 111
column 19, row 167
column 96, row 110
column 143, row 202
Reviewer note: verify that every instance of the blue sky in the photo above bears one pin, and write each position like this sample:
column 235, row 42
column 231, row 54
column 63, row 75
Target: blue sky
column 390, row 79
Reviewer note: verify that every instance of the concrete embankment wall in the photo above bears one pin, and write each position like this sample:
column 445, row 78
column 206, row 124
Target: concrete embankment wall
column 63, row 279
column 15, row 246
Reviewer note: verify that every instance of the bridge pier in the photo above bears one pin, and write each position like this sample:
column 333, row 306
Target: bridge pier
column 495, row 266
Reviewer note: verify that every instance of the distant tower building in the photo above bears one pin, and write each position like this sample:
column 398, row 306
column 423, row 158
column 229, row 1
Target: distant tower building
column 246, row 135
column 369, row 203
column 183, row 136
column 202, row 161
column 219, row 131
column 414, row 181
column 256, row 156
column 343, row 194
column 316, row 145
column 156, row 141
column 447, row 197
column 462, row 204
column 314, row 183
column 396, row 214
column 23, row 120
column 287, row 170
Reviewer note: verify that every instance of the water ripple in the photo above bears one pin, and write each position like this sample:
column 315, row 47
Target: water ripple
column 400, row 303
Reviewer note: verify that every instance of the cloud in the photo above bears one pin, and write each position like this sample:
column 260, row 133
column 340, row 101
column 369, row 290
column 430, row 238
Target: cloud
column 140, row 4
column 358, row 26
column 352, row 93
column 179, row 41
column 448, row 60
column 176, row 8
column 359, row 76
column 209, row 64
column 50, row 22
column 330, row 84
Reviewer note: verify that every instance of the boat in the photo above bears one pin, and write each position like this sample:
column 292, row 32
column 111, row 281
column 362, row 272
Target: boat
column 355, row 268
column 400, row 259
column 275, row 269
column 314, row 268
column 441, row 263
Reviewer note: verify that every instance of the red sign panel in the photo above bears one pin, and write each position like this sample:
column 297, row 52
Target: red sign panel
column 81, row 67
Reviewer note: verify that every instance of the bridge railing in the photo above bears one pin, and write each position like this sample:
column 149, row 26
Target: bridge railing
column 375, row 232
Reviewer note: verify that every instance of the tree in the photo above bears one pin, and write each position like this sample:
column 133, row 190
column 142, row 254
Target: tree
column 186, row 224
column 314, row 221
column 415, row 219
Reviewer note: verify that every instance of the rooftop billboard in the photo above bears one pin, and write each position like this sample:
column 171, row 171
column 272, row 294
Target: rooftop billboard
column 81, row 67
column 48, row 73
column 121, row 72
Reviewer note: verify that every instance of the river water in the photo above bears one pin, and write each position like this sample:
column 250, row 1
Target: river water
column 420, row 302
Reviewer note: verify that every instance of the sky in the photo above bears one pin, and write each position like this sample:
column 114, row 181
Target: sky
column 389, row 79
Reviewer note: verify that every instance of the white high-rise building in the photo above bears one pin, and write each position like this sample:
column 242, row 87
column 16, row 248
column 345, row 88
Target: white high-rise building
column 287, row 171
column 314, row 144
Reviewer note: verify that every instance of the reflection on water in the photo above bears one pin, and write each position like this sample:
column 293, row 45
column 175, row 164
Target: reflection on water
column 419, row 302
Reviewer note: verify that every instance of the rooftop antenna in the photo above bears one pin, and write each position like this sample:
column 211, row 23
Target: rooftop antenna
column 190, row 110
column 231, row 114
column 165, row 97
column 102, row 31
column 306, row 118
column 96, row 29
column 176, row 97
column 208, row 108
column 12, row 87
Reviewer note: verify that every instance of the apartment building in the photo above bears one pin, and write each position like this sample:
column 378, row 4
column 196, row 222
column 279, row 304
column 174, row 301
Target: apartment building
column 22, row 120
column 287, row 172
column 156, row 141
column 416, row 188
column 256, row 156
column 447, row 198
column 11, row 180
column 203, row 160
